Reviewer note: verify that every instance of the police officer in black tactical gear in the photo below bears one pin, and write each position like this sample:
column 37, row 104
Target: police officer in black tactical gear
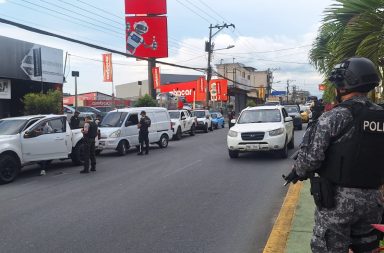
column 74, row 123
column 344, row 148
column 90, row 132
column 144, row 124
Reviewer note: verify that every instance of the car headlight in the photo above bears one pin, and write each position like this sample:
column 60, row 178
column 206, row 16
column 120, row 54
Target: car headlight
column 232, row 133
column 276, row 132
column 115, row 134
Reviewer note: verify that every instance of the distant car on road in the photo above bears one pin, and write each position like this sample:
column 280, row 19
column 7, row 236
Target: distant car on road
column 294, row 112
column 262, row 128
column 182, row 122
column 204, row 120
column 91, row 109
column 217, row 120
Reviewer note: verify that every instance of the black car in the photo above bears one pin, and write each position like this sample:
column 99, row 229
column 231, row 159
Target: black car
column 294, row 112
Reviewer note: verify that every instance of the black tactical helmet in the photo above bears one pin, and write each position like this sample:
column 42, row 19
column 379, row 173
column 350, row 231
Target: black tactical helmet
column 355, row 74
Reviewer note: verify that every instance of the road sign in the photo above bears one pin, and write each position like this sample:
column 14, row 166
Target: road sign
column 278, row 93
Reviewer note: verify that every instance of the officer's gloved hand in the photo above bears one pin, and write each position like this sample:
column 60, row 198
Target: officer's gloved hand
column 292, row 177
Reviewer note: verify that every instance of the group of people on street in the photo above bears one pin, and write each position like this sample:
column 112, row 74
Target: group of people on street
column 340, row 154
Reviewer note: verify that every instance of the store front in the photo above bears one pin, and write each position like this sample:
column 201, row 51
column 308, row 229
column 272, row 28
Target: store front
column 26, row 68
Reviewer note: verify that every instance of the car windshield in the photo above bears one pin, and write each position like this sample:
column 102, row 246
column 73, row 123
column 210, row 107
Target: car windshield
column 11, row 127
column 174, row 115
column 291, row 109
column 214, row 115
column 260, row 116
column 200, row 114
column 113, row 119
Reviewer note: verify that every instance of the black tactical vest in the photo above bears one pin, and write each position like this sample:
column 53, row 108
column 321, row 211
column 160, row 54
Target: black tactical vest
column 356, row 162
column 92, row 131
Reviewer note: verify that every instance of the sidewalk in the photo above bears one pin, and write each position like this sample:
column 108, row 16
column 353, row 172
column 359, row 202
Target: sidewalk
column 301, row 229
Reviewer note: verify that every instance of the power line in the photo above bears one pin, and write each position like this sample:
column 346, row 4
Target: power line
column 63, row 14
column 35, row 30
column 197, row 7
column 99, row 9
column 271, row 51
column 189, row 8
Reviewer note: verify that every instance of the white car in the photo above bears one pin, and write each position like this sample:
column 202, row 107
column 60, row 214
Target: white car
column 119, row 130
column 31, row 139
column 204, row 120
column 263, row 128
column 182, row 122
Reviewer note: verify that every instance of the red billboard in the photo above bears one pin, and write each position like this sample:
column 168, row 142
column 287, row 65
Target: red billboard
column 147, row 36
column 195, row 90
column 107, row 103
column 156, row 7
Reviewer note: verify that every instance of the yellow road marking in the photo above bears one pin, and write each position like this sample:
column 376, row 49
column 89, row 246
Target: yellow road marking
column 278, row 238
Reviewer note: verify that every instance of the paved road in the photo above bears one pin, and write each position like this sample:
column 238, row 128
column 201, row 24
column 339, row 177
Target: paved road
column 189, row 197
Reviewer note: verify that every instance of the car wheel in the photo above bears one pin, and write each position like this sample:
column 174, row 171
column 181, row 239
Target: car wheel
column 283, row 153
column 122, row 148
column 217, row 126
column 211, row 128
column 193, row 130
column 233, row 154
column 178, row 134
column 77, row 155
column 291, row 144
column 223, row 125
column 163, row 143
column 206, row 128
column 9, row 169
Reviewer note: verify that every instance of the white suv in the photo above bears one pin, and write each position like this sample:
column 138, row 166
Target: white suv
column 204, row 120
column 263, row 128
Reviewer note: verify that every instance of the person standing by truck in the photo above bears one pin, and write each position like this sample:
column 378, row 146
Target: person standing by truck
column 144, row 124
column 89, row 131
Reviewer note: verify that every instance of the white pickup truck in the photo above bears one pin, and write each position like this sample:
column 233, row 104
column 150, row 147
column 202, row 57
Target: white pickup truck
column 182, row 122
column 30, row 139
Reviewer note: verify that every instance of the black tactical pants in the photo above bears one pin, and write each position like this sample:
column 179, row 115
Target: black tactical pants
column 143, row 138
column 89, row 153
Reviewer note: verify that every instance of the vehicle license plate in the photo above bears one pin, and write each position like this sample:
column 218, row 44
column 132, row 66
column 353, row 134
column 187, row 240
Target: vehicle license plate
column 252, row 147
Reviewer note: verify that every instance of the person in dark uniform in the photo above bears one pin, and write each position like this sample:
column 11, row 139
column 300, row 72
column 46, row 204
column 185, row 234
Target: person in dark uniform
column 75, row 120
column 144, row 124
column 341, row 154
column 317, row 109
column 90, row 132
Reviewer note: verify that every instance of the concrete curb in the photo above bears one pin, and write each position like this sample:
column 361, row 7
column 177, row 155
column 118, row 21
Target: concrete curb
column 278, row 238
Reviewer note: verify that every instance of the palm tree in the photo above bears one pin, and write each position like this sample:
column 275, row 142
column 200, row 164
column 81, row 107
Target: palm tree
column 350, row 28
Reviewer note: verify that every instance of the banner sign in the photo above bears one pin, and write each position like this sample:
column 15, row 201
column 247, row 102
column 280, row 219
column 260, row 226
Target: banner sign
column 5, row 89
column 155, row 7
column 197, row 88
column 156, row 77
column 278, row 93
column 18, row 61
column 107, row 68
column 147, row 36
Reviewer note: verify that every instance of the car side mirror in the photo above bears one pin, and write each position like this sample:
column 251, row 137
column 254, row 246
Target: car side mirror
column 29, row 134
column 233, row 121
column 301, row 111
column 288, row 119
column 183, row 118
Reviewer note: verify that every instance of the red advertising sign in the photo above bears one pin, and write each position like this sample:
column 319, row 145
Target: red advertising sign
column 107, row 68
column 147, row 36
column 322, row 87
column 196, row 89
column 157, row 7
column 156, row 77
column 107, row 103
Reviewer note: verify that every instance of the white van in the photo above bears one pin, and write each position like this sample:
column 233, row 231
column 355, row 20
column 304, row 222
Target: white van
column 119, row 128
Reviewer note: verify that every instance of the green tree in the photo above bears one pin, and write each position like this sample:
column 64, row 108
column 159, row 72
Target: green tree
column 37, row 103
column 251, row 103
column 350, row 28
column 146, row 101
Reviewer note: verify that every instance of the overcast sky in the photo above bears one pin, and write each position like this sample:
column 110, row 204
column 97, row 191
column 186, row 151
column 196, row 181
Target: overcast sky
column 275, row 34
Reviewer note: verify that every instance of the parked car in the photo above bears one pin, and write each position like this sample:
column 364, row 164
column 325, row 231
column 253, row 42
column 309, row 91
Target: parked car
column 69, row 111
column 204, row 120
column 294, row 112
column 259, row 129
column 182, row 122
column 217, row 119
column 91, row 109
column 31, row 139
column 119, row 130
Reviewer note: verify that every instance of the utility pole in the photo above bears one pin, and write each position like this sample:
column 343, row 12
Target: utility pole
column 151, row 65
column 288, row 81
column 209, row 49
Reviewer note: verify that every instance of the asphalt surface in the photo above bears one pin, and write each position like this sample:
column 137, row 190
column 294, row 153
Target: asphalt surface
column 189, row 197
